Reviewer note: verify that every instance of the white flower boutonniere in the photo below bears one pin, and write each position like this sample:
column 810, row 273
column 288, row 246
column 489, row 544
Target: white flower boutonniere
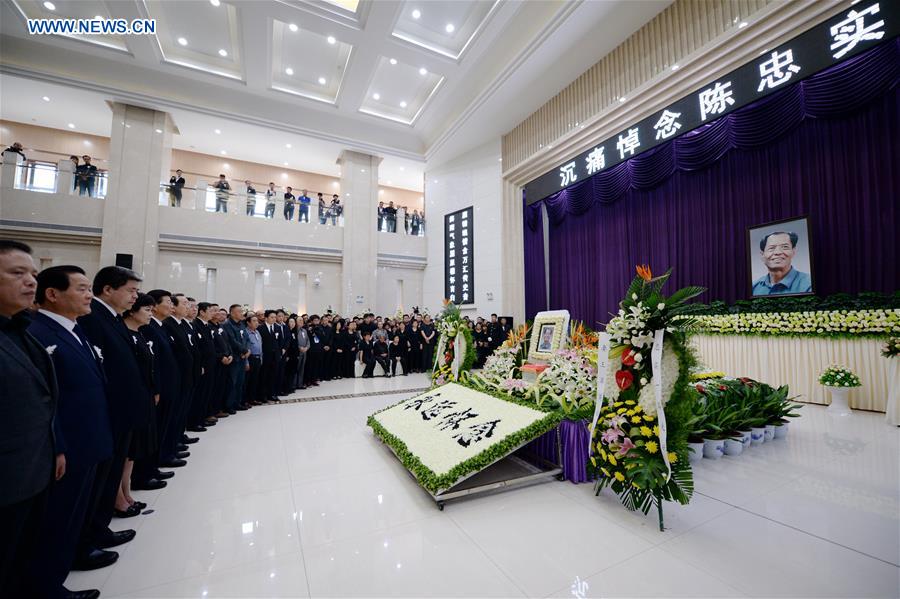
column 51, row 349
column 150, row 345
column 98, row 352
column 220, row 330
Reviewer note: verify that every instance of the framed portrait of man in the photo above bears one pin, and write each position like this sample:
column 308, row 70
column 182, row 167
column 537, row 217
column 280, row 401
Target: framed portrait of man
column 545, row 340
column 780, row 255
column 548, row 335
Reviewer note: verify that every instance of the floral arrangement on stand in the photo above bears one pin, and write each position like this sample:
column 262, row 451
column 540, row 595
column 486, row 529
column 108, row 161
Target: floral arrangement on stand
column 834, row 323
column 627, row 447
column 838, row 376
column 891, row 349
column 453, row 333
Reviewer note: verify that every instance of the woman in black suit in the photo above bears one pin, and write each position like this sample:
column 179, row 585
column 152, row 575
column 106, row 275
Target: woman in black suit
column 351, row 348
column 339, row 349
column 144, row 445
column 414, row 338
column 292, row 357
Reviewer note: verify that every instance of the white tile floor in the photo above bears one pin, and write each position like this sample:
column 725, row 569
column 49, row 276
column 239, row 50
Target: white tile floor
column 301, row 500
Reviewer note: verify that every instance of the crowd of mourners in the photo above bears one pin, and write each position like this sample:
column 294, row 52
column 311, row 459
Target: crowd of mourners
column 104, row 387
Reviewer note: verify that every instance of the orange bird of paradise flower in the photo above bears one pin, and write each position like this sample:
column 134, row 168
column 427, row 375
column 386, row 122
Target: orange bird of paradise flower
column 643, row 272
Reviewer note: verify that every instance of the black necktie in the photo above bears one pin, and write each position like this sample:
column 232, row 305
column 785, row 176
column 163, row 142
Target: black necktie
column 85, row 344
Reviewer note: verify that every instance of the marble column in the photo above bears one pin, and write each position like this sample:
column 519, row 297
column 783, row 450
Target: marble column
column 513, row 253
column 140, row 155
column 359, row 187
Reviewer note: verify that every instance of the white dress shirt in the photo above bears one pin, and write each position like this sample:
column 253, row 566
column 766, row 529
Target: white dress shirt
column 108, row 307
column 67, row 324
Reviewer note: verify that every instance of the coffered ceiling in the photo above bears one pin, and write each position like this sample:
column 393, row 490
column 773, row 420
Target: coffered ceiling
column 391, row 77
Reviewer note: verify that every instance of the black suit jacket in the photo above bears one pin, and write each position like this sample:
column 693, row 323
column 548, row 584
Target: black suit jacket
column 194, row 343
column 184, row 353
column 206, row 345
column 28, row 395
column 270, row 341
column 110, row 335
column 81, row 426
column 168, row 374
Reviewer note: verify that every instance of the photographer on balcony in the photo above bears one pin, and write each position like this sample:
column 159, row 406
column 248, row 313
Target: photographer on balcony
column 289, row 202
column 222, row 189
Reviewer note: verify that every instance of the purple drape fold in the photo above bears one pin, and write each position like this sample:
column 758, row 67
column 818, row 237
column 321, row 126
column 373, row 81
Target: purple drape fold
column 535, row 281
column 574, row 437
column 827, row 147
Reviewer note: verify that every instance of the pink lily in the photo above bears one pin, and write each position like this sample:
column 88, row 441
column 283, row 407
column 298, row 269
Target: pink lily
column 626, row 446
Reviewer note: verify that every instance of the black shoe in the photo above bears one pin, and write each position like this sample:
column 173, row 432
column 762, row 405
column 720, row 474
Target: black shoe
column 160, row 475
column 209, row 423
column 231, row 412
column 95, row 560
column 173, row 463
column 139, row 504
column 183, row 454
column 181, row 447
column 150, row 485
column 189, row 440
column 88, row 594
column 116, row 538
column 243, row 408
column 131, row 512
column 197, row 429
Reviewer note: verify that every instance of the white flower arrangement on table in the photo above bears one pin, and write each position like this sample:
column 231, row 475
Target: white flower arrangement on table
column 820, row 323
column 839, row 376
column 570, row 379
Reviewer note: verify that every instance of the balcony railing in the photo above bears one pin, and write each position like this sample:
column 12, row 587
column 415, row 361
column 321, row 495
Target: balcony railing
column 45, row 177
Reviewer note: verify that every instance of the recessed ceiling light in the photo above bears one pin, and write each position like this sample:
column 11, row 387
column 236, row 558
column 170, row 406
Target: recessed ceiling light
column 393, row 61
column 226, row 165
column 331, row 39
column 217, row 131
column 223, row 52
column 322, row 81
column 288, row 146
column 402, row 168
column 45, row 99
column 182, row 41
column 222, row 152
column 215, row 2
column 390, row 182
column 71, row 125
column 376, row 95
column 49, row 6
column 450, row 28
column 403, row 104
column 159, row 130
column 293, row 27
column 380, row 191
column 622, row 98
column 289, row 71
column 362, row 170
column 285, row 164
column 742, row 24
column 416, row 13
column 423, row 71
column 675, row 67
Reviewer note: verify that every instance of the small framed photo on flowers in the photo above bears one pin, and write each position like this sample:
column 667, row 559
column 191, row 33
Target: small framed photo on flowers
column 548, row 335
column 780, row 256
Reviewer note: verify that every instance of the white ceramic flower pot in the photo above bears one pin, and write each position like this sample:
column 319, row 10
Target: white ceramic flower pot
column 757, row 435
column 839, row 401
column 734, row 447
column 781, row 430
column 695, row 452
column 713, row 448
column 745, row 438
column 770, row 432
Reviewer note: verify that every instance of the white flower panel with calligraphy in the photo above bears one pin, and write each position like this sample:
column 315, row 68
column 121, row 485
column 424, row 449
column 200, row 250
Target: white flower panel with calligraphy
column 426, row 425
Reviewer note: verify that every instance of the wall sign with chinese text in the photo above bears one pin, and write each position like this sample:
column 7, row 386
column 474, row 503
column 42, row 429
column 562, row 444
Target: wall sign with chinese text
column 857, row 29
column 459, row 257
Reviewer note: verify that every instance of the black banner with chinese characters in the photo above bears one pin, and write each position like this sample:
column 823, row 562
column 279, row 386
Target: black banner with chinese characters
column 459, row 257
column 859, row 28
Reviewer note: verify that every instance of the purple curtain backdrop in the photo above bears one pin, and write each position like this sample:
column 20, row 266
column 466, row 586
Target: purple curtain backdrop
column 828, row 147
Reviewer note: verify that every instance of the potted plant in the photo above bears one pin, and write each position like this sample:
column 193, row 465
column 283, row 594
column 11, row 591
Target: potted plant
column 839, row 380
column 720, row 420
column 779, row 407
column 750, row 393
column 697, row 427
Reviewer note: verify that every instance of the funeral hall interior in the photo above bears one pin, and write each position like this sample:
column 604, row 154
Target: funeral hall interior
column 449, row 298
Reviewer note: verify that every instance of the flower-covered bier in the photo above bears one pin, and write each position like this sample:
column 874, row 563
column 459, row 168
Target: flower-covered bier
column 838, row 376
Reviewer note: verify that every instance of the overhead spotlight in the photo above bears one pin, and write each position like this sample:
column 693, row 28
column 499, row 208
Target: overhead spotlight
column 322, row 81
column 285, row 164
column 46, row 98
column 71, row 125
column 380, row 192
column 288, row 146
column 226, row 165
column 331, row 40
column 215, row 2
column 182, row 41
column 159, row 130
column 49, row 6
column 217, row 131
column 222, row 152
column 675, row 67
column 416, row 13
column 362, row 170
column 223, row 53
column 403, row 104
column 402, row 168
column 289, row 71
column 423, row 71
column 393, row 61
column 376, row 96
column 293, row 27
column 450, row 28
column 390, row 182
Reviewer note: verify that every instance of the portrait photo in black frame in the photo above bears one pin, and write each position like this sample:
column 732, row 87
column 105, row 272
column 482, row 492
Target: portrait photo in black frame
column 780, row 258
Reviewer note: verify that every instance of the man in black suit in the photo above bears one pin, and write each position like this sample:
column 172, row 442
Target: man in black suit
column 207, row 346
column 115, row 289
column 221, row 376
column 284, row 342
column 176, row 184
column 81, row 427
column 271, row 355
column 367, row 355
column 28, row 392
column 169, row 376
column 194, row 422
column 183, row 346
